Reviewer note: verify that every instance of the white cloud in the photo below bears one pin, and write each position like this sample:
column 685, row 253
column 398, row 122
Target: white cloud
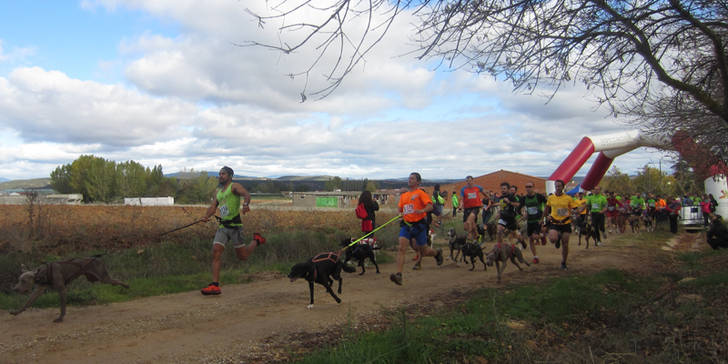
column 15, row 54
column 195, row 100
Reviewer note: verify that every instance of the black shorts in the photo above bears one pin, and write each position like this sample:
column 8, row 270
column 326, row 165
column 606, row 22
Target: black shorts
column 562, row 228
column 469, row 210
column 533, row 227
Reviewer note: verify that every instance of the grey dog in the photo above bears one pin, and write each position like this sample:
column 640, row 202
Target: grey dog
column 503, row 253
column 58, row 275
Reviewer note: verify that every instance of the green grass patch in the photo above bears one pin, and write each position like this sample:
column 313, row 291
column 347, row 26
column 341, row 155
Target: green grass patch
column 477, row 329
column 170, row 267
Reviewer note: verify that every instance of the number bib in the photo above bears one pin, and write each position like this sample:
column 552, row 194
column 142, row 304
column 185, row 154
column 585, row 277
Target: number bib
column 408, row 209
column 224, row 211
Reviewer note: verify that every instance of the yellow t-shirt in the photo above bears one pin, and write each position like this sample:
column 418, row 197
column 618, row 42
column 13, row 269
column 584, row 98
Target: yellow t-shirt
column 580, row 203
column 561, row 208
column 411, row 201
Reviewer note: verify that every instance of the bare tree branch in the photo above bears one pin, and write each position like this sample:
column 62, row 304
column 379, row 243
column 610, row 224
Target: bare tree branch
column 618, row 47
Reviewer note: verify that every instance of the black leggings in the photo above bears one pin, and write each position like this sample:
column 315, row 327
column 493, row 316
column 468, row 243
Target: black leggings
column 597, row 224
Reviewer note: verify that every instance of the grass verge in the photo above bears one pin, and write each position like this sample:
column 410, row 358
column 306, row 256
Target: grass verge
column 170, row 268
column 610, row 316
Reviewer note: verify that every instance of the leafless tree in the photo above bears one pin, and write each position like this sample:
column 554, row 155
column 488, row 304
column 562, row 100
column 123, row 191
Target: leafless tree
column 662, row 61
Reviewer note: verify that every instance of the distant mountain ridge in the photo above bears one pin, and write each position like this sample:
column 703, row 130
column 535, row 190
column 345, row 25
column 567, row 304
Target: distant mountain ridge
column 25, row 184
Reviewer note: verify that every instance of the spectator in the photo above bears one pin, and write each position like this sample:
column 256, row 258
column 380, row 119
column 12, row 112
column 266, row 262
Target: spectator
column 718, row 233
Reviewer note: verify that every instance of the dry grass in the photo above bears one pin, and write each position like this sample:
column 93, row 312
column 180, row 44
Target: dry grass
column 61, row 229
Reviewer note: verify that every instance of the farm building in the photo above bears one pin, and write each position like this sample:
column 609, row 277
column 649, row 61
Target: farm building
column 492, row 181
column 149, row 201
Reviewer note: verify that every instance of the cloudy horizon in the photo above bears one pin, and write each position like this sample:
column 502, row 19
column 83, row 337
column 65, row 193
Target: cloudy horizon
column 163, row 83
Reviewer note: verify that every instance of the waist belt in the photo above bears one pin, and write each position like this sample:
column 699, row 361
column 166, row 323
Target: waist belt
column 565, row 221
column 232, row 223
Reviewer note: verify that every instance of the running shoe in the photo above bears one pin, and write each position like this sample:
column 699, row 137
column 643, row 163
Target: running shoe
column 259, row 238
column 558, row 244
column 438, row 257
column 396, row 278
column 523, row 244
column 535, row 260
column 417, row 257
column 563, row 266
column 211, row 289
column 417, row 266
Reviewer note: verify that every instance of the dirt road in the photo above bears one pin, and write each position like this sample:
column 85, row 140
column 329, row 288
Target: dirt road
column 254, row 322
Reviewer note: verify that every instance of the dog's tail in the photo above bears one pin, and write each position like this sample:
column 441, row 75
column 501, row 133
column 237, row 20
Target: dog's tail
column 347, row 268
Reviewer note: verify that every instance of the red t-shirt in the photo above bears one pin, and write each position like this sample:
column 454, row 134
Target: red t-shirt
column 470, row 196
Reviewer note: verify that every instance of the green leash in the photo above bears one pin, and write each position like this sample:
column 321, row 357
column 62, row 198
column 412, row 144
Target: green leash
column 373, row 231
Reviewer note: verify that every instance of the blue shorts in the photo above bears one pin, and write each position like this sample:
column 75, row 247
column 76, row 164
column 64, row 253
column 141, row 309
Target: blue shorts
column 417, row 231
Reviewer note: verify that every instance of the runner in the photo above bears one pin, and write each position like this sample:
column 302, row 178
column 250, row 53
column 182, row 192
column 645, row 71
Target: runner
column 438, row 205
column 558, row 212
column 637, row 205
column 488, row 203
column 414, row 206
column 471, row 205
column 509, row 207
column 581, row 219
column 229, row 231
column 533, row 204
column 613, row 206
column 455, row 203
column 652, row 209
column 673, row 208
column 597, row 205
column 660, row 210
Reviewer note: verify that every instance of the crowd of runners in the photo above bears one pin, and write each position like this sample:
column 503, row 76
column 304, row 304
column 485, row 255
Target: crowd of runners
column 529, row 219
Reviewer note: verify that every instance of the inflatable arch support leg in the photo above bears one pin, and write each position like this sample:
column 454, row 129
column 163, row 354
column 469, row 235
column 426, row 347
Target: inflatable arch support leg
column 612, row 145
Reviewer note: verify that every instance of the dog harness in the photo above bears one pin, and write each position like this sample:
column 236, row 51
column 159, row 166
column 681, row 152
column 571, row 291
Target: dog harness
column 322, row 257
column 330, row 256
column 511, row 252
column 48, row 277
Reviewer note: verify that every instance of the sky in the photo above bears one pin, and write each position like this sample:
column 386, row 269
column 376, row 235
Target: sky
column 166, row 82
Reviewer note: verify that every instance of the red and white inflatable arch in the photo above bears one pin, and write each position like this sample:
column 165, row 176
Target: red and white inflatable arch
column 613, row 145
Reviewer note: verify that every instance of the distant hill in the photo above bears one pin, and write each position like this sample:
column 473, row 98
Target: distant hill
column 300, row 183
column 25, row 184
column 3, row 179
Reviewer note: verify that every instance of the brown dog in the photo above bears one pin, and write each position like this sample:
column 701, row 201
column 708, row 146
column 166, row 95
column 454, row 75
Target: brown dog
column 58, row 275
column 501, row 253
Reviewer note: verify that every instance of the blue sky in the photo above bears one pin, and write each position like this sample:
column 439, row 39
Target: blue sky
column 161, row 82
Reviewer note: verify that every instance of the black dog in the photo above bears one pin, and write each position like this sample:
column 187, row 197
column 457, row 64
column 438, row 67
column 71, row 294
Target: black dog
column 321, row 269
column 473, row 250
column 360, row 252
column 587, row 230
column 456, row 244
column 490, row 228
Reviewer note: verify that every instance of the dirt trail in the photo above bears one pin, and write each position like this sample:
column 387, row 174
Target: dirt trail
column 247, row 322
